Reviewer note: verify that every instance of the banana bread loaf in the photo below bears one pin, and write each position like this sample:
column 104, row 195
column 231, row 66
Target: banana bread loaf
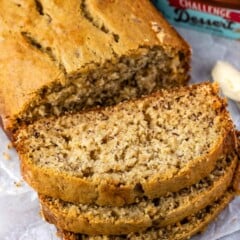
column 58, row 57
column 180, row 231
column 114, row 155
column 138, row 217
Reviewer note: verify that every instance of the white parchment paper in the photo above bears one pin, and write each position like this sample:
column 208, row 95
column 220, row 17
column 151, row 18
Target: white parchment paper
column 19, row 210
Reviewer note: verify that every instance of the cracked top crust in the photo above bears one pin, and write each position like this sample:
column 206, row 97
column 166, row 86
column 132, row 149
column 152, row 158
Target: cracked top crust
column 71, row 30
column 45, row 41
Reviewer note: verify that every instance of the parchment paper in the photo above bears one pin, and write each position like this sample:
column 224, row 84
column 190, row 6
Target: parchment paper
column 19, row 211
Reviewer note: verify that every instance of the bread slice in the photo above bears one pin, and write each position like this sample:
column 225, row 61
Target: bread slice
column 61, row 57
column 188, row 227
column 163, row 211
column 112, row 156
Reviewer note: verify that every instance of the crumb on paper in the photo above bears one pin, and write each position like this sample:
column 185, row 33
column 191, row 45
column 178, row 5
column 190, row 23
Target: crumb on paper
column 19, row 183
column 10, row 145
column 6, row 156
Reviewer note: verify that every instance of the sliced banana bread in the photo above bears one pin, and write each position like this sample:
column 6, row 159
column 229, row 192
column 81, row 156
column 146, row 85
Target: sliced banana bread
column 96, row 220
column 180, row 231
column 114, row 155
column 58, row 57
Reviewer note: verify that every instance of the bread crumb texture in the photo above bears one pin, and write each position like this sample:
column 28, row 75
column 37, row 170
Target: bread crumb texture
column 184, row 229
column 133, row 141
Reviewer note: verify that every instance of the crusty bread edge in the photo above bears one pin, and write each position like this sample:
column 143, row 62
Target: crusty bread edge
column 228, row 196
column 81, row 223
column 236, row 182
column 211, row 195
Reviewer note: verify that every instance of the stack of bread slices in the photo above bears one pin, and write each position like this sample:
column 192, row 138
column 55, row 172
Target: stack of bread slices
column 92, row 97
column 160, row 167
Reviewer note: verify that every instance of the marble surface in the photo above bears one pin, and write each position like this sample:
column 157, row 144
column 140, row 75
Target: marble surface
column 20, row 219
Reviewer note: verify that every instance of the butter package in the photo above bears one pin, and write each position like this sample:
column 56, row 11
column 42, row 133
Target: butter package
column 221, row 17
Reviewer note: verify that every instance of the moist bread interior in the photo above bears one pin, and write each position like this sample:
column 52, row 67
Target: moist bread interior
column 131, row 142
column 118, row 79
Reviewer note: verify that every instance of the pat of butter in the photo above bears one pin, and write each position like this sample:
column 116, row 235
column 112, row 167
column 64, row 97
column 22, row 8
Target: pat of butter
column 228, row 78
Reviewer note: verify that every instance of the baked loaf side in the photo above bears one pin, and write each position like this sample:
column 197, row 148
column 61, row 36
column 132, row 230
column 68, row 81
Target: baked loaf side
column 64, row 57
column 181, row 231
column 163, row 211
column 111, row 156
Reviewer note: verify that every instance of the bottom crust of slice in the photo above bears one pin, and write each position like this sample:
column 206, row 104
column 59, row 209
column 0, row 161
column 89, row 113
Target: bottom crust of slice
column 179, row 231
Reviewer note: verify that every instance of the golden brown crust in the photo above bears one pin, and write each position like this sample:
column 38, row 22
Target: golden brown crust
column 73, row 189
column 185, row 230
column 236, row 183
column 87, row 223
column 68, row 41
column 17, row 84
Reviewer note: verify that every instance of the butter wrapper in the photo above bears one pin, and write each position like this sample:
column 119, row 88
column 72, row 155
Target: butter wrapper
column 221, row 17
